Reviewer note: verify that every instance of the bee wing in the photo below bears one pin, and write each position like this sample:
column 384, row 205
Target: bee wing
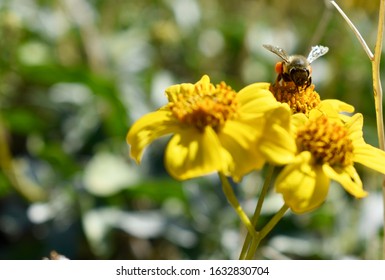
column 316, row 52
column 278, row 51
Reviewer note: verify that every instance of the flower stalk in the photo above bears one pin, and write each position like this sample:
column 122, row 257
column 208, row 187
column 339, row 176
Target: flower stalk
column 257, row 212
column 378, row 97
column 265, row 231
column 377, row 81
column 229, row 193
column 377, row 88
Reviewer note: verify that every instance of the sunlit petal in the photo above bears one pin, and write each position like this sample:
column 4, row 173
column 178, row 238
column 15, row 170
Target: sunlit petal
column 256, row 99
column 240, row 140
column 370, row 156
column 354, row 125
column 173, row 91
column 191, row 153
column 334, row 109
column 338, row 105
column 298, row 120
column 348, row 178
column 304, row 187
column 277, row 143
column 148, row 128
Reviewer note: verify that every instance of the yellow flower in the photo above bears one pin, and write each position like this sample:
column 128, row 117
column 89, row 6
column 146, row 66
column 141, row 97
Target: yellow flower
column 327, row 146
column 214, row 128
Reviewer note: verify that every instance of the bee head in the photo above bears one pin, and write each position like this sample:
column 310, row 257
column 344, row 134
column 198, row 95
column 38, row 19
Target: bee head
column 299, row 70
column 300, row 76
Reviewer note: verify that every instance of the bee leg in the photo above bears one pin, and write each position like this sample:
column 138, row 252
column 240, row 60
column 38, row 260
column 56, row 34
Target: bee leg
column 308, row 83
column 278, row 79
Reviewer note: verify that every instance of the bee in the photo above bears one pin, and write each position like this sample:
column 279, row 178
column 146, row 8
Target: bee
column 296, row 68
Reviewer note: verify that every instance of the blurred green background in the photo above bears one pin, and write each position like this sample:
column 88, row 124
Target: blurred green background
column 75, row 74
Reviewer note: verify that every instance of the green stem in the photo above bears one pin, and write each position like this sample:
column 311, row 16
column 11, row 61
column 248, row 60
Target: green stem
column 377, row 89
column 258, row 208
column 266, row 229
column 378, row 97
column 377, row 79
column 229, row 193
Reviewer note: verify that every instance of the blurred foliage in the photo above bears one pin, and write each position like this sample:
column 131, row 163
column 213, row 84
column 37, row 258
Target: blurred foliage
column 75, row 74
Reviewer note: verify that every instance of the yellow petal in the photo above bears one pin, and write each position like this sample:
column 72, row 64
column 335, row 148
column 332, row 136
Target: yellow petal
column 304, row 187
column 333, row 108
column 203, row 84
column 239, row 140
column 277, row 143
column 173, row 91
column 364, row 153
column 354, row 126
column 348, row 178
column 370, row 156
column 148, row 128
column 255, row 99
column 298, row 120
column 338, row 105
column 192, row 153
column 324, row 109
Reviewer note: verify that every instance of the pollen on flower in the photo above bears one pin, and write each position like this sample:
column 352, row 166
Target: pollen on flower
column 204, row 104
column 327, row 141
column 300, row 99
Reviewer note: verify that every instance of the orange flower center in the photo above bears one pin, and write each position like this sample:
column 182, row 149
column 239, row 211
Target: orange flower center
column 300, row 99
column 327, row 141
column 205, row 105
